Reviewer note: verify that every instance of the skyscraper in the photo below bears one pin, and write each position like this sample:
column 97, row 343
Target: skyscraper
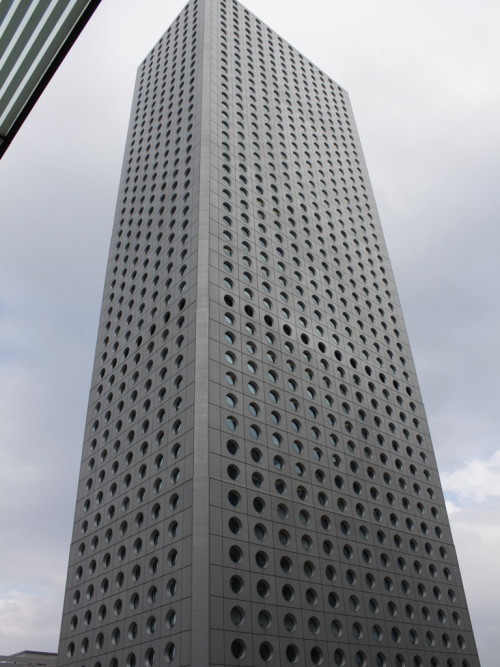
column 258, row 485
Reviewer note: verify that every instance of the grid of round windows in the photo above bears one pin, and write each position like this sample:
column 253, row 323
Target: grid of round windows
column 330, row 461
column 329, row 514
column 132, row 497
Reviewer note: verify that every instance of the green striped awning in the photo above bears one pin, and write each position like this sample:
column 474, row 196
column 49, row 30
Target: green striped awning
column 35, row 36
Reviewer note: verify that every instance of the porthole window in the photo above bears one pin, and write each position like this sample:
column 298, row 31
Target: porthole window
column 231, row 423
column 230, row 358
column 231, row 400
column 260, row 531
column 261, row 559
column 171, row 619
column 278, row 462
column 237, row 615
column 170, row 652
column 263, row 589
column 253, row 409
column 233, row 472
column 339, row 658
column 238, row 649
column 254, row 431
column 306, row 542
column 235, row 554
column 234, row 525
column 266, row 651
column 257, row 479
column 232, row 447
column 292, row 653
column 360, row 659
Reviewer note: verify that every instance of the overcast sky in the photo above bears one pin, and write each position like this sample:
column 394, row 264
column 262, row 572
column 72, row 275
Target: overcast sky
column 423, row 78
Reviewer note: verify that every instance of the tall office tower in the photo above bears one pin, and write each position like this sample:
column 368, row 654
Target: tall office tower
column 258, row 485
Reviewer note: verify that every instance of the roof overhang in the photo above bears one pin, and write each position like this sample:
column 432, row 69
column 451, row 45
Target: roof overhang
column 35, row 36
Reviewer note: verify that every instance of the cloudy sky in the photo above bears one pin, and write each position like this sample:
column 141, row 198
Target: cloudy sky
column 423, row 81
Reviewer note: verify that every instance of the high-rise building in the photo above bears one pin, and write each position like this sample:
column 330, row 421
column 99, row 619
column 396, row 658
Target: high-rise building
column 258, row 484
